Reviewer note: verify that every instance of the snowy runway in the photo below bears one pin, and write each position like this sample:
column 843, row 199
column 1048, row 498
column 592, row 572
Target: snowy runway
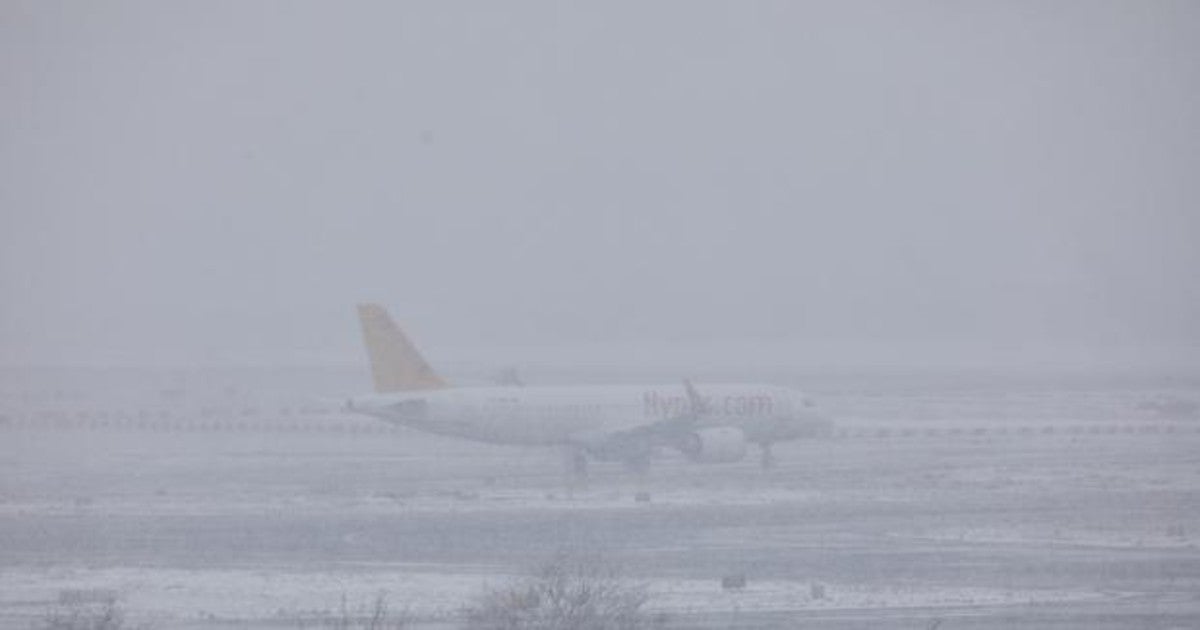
column 205, row 530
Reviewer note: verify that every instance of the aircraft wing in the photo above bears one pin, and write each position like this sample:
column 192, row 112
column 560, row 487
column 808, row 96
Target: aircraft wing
column 640, row 440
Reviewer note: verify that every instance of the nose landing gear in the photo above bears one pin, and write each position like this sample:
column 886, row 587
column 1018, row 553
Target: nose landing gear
column 767, row 461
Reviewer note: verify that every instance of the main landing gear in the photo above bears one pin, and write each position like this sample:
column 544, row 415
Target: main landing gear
column 638, row 464
column 577, row 463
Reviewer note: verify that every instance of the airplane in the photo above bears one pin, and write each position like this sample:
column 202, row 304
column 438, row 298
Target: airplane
column 714, row 423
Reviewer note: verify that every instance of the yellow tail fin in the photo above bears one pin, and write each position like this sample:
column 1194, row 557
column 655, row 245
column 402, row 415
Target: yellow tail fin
column 396, row 365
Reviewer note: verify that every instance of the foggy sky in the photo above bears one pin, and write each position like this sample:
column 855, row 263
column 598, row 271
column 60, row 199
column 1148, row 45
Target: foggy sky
column 195, row 182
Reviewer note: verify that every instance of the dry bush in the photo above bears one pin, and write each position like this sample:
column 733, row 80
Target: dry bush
column 376, row 617
column 563, row 594
column 106, row 616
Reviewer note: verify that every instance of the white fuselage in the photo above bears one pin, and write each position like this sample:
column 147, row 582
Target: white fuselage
column 588, row 414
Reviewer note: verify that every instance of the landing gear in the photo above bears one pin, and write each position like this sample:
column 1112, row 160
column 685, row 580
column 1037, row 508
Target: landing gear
column 577, row 462
column 638, row 464
column 768, row 458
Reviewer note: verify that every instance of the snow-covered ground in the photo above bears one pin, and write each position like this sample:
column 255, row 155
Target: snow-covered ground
column 203, row 528
column 425, row 592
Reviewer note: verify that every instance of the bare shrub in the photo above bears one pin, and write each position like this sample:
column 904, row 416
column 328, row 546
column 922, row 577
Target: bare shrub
column 563, row 594
column 84, row 616
column 377, row 616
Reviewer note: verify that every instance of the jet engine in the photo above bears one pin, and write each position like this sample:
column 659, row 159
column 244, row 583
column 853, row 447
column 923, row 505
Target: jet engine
column 715, row 445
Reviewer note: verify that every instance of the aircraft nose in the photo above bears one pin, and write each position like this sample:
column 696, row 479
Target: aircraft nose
column 810, row 423
column 823, row 425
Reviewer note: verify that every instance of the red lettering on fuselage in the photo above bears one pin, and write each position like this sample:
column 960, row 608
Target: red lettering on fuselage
column 749, row 405
column 656, row 405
